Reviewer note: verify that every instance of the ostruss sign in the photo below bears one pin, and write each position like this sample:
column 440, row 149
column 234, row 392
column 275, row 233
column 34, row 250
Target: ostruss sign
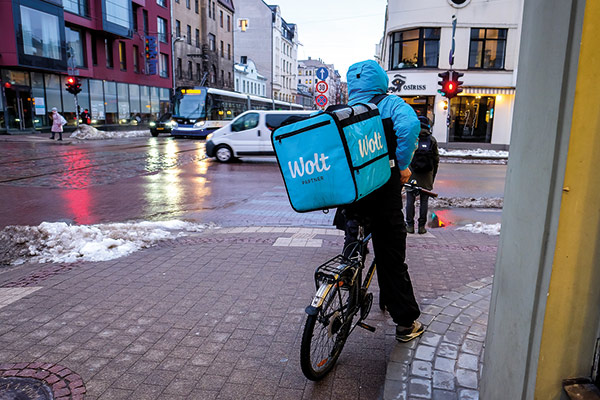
column 332, row 158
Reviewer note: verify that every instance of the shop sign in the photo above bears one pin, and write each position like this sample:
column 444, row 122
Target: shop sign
column 40, row 105
column 399, row 84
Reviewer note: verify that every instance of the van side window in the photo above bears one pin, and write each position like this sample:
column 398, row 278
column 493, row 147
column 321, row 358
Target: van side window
column 246, row 122
column 274, row 121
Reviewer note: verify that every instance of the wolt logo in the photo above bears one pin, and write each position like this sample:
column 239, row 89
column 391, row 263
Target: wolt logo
column 367, row 146
column 301, row 167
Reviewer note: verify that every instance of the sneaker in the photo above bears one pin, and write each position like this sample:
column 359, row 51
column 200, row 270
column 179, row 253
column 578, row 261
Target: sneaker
column 410, row 228
column 422, row 230
column 408, row 334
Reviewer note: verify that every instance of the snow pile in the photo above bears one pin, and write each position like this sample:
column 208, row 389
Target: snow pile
column 90, row 133
column 474, row 153
column 480, row 227
column 466, row 202
column 59, row 242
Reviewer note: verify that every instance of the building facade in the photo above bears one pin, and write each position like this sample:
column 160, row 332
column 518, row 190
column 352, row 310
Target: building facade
column 285, row 58
column 217, row 27
column 416, row 47
column 188, row 56
column 248, row 80
column 102, row 42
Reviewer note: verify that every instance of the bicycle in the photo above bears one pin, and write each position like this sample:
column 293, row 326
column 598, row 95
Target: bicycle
column 341, row 295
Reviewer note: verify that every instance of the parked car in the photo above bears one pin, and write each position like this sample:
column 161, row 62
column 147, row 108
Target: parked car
column 248, row 135
column 161, row 125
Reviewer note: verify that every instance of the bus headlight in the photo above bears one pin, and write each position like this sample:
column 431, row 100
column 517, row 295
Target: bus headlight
column 174, row 124
column 199, row 124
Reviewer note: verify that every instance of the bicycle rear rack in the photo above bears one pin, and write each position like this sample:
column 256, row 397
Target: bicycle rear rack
column 330, row 271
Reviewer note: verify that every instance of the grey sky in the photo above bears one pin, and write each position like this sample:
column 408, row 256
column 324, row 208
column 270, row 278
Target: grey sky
column 340, row 32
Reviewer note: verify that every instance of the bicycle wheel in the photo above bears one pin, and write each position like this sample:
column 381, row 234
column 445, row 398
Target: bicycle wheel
column 325, row 333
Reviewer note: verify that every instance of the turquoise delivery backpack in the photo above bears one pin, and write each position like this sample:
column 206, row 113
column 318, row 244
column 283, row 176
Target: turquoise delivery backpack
column 332, row 158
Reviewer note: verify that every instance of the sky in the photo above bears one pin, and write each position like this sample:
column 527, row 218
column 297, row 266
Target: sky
column 340, row 32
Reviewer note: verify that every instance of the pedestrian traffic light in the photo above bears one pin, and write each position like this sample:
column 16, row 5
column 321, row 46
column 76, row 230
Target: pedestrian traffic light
column 73, row 85
column 450, row 84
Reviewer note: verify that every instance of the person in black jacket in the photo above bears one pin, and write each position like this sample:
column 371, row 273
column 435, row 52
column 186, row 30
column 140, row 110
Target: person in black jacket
column 424, row 167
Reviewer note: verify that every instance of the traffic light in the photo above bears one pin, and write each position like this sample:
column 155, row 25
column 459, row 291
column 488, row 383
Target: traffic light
column 73, row 85
column 450, row 84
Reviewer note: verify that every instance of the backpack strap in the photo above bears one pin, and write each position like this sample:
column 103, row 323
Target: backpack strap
column 375, row 100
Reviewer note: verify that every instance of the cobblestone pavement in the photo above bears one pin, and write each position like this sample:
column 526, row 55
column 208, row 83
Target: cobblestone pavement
column 219, row 315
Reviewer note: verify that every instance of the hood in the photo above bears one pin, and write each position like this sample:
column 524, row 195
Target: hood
column 424, row 132
column 365, row 80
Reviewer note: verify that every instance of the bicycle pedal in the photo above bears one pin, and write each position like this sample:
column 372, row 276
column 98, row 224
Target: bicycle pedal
column 367, row 327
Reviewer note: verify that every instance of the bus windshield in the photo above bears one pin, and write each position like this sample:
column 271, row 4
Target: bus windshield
column 191, row 103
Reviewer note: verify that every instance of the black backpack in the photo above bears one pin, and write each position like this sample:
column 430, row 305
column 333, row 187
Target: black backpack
column 423, row 158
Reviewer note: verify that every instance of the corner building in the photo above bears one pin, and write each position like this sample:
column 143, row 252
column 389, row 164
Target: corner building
column 100, row 41
column 416, row 48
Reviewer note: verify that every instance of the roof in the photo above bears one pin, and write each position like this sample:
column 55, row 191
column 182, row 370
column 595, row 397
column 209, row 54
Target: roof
column 228, row 4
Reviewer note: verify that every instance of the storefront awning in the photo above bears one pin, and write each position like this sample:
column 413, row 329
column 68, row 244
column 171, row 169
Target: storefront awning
column 487, row 90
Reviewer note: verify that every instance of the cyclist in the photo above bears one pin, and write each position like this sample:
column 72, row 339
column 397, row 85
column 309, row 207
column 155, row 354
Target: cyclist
column 367, row 81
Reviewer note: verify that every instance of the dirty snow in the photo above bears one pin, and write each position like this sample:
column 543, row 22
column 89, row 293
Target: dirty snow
column 480, row 227
column 474, row 153
column 87, row 132
column 466, row 202
column 60, row 242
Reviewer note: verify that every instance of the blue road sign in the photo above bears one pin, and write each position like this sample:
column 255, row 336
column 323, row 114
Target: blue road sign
column 322, row 73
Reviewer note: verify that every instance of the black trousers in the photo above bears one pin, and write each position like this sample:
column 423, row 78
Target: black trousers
column 410, row 208
column 384, row 210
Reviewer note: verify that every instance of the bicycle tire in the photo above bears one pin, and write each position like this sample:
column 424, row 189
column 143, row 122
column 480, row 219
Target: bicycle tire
column 325, row 334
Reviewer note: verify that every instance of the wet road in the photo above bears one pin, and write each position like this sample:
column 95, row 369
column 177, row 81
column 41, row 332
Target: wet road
column 162, row 178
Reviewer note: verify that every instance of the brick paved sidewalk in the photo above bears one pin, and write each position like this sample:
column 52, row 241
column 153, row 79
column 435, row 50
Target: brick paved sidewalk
column 218, row 316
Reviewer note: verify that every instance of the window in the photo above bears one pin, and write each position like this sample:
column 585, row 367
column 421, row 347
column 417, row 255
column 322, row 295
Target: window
column 177, row 28
column 228, row 23
column 108, row 50
column 190, row 71
column 488, row 48
column 198, row 72
column 187, row 4
column 135, row 58
column 197, row 38
column 228, row 51
column 415, row 48
column 94, row 51
column 211, row 42
column 41, row 34
column 214, row 15
column 118, row 12
column 162, row 29
column 164, row 65
column 222, row 77
column 122, row 56
column 162, row 3
column 135, row 19
column 196, row 6
column 248, row 121
column 209, row 10
column 221, row 18
column 75, row 42
column 222, row 52
column 229, row 78
column 179, row 68
column 79, row 7
column 145, row 15
column 189, row 35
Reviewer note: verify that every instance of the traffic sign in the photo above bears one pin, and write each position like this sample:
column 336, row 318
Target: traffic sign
column 321, row 100
column 322, row 86
column 322, row 73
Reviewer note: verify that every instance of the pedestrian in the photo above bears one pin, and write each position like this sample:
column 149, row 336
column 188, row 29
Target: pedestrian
column 57, row 124
column 424, row 167
column 383, row 207
column 85, row 116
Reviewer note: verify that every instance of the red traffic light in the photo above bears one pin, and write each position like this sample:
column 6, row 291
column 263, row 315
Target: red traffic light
column 450, row 84
column 7, row 85
column 70, row 80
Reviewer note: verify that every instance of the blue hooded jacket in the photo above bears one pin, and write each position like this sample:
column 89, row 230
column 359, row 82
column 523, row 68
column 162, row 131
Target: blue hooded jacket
column 367, row 79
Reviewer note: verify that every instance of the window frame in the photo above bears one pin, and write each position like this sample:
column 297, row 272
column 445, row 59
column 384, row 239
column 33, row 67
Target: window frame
column 484, row 40
column 421, row 46
column 162, row 34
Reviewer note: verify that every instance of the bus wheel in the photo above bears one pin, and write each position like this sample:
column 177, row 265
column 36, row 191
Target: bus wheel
column 224, row 154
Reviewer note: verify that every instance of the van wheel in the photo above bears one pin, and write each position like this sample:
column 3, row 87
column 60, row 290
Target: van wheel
column 224, row 154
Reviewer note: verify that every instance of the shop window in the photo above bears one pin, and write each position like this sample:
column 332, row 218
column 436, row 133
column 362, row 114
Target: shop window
column 472, row 119
column 41, row 33
column 110, row 102
column 488, row 48
column 97, row 102
column 134, row 104
column 75, row 51
column 123, row 102
column 145, row 100
column 415, row 48
column 154, row 102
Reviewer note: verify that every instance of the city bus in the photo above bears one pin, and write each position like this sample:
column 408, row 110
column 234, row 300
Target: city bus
column 198, row 111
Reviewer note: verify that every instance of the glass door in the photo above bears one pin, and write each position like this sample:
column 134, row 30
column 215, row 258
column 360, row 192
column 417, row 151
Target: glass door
column 19, row 108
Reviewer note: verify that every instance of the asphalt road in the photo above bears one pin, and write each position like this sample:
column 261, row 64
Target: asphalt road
column 162, row 178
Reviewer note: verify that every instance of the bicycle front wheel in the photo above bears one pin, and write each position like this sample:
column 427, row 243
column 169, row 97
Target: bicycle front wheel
column 325, row 333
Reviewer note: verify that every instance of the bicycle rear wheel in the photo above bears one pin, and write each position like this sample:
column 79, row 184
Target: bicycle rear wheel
column 325, row 333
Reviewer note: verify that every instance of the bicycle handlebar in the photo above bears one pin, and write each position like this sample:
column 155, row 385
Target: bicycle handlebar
column 412, row 185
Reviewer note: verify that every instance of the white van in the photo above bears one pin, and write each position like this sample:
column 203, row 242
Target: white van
column 248, row 135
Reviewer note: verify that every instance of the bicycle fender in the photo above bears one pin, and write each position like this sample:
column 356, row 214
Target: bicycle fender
column 321, row 295
column 310, row 310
